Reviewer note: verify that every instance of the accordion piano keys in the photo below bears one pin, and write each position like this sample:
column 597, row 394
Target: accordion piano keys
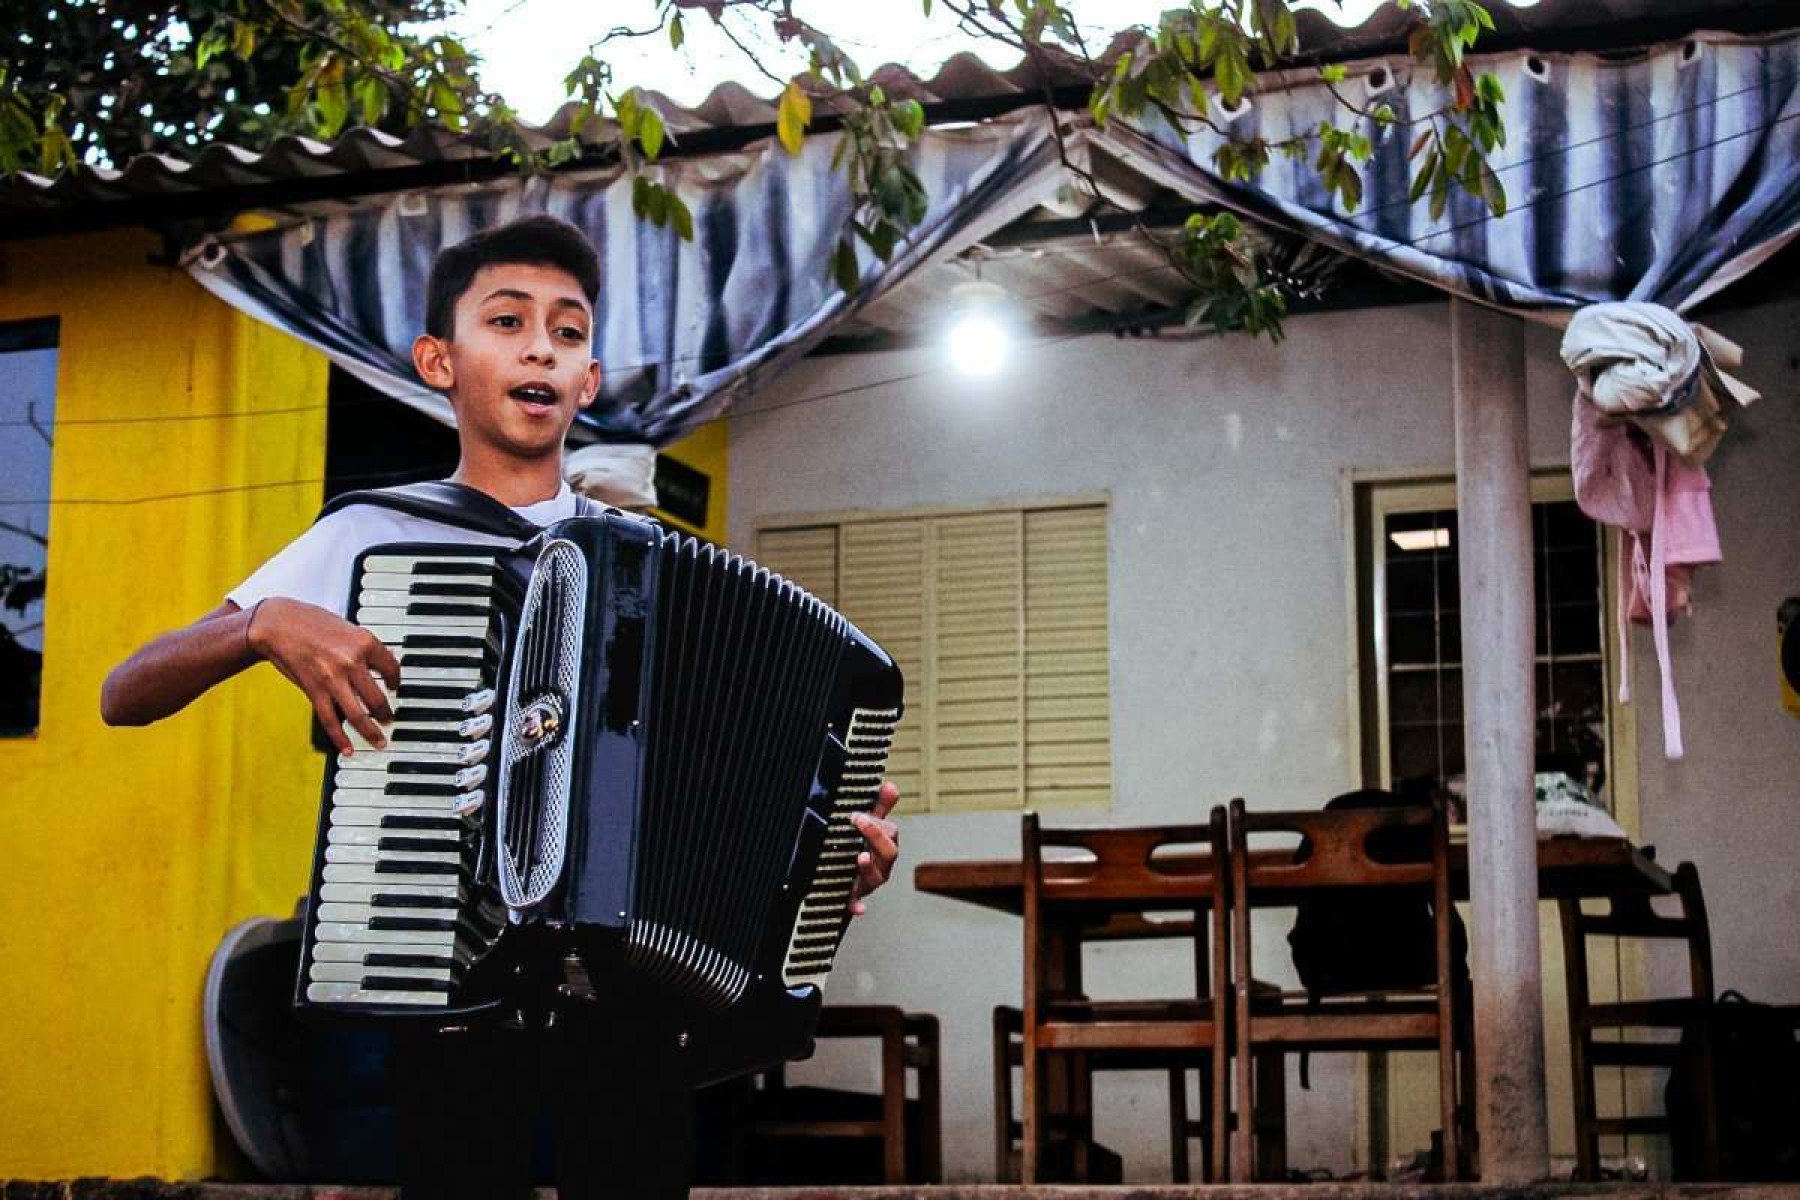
column 392, row 925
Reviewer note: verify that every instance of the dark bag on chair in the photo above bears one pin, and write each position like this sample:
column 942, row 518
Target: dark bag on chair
column 1756, row 1088
column 1372, row 939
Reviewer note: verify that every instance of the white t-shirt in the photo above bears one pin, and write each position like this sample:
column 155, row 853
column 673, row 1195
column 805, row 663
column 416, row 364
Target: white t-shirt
column 315, row 567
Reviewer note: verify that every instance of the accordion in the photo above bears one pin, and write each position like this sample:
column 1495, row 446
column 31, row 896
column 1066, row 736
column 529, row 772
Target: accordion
column 616, row 736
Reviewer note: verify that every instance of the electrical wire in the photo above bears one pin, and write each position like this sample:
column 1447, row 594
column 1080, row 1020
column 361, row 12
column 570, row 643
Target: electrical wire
column 127, row 501
column 154, row 419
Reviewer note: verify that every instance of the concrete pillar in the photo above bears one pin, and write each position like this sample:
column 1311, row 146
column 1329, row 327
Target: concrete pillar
column 1493, row 497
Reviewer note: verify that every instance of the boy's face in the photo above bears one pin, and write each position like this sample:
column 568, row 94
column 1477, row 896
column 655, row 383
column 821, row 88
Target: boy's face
column 519, row 363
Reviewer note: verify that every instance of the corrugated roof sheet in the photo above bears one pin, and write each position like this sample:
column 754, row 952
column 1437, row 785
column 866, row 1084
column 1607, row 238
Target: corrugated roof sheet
column 224, row 179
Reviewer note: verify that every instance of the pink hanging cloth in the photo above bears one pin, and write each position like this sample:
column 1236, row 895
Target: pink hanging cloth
column 1648, row 412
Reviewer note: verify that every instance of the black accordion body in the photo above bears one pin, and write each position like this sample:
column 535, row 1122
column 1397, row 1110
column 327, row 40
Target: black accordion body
column 617, row 743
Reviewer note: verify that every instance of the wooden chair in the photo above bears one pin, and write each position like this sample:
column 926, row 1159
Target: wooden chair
column 908, row 1131
column 1634, row 917
column 1067, row 1129
column 1175, row 1034
column 1337, row 857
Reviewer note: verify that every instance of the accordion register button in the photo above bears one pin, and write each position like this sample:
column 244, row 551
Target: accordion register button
column 469, row 802
column 469, row 778
column 473, row 753
column 478, row 702
column 476, row 727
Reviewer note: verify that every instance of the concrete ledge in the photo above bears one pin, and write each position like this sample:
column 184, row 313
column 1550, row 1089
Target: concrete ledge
column 154, row 1189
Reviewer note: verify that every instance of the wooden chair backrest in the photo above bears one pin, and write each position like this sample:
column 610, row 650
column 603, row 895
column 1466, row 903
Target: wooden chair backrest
column 1349, row 847
column 1633, row 916
column 1123, row 868
column 1338, row 855
column 1123, row 863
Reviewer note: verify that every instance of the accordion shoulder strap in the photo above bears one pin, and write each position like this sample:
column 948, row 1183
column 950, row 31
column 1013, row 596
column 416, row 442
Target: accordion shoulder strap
column 453, row 504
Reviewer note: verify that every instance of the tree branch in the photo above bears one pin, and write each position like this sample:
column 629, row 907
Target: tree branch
column 31, row 418
column 28, row 534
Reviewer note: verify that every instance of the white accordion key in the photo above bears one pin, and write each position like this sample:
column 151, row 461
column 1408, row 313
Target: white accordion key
column 469, row 802
column 359, row 742
column 476, row 727
column 478, row 702
column 469, row 778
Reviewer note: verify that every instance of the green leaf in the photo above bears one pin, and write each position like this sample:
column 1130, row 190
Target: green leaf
column 1422, row 179
column 909, row 118
column 371, row 99
column 1440, row 189
column 657, row 202
column 448, row 104
column 677, row 34
column 792, row 115
column 650, row 132
column 1492, row 190
column 843, row 266
column 1456, row 149
column 1333, row 73
column 629, row 114
column 880, row 238
column 213, row 43
column 243, row 40
column 681, row 218
column 1100, row 104
column 640, row 196
column 333, row 105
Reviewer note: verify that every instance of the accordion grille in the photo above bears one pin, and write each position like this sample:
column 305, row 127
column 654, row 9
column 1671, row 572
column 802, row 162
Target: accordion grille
column 536, row 755
column 741, row 686
column 825, row 910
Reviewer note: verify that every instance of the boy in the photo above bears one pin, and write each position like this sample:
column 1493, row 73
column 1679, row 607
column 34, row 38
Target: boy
column 508, row 339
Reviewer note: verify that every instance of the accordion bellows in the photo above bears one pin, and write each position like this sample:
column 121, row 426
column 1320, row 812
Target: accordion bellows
column 620, row 733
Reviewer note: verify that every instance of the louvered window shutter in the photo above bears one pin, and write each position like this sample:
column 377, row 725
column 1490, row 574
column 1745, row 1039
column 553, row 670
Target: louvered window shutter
column 806, row 556
column 1068, row 751
column 976, row 661
column 882, row 584
column 998, row 620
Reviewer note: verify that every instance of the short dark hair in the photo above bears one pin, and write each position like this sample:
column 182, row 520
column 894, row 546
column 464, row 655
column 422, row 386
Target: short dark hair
column 541, row 240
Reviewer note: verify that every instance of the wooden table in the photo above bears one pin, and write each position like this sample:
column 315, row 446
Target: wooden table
column 1568, row 868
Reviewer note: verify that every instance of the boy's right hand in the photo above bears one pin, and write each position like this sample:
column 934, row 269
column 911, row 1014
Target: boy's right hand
column 330, row 660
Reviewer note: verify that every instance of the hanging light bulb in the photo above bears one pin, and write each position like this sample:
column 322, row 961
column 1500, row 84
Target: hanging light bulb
column 979, row 340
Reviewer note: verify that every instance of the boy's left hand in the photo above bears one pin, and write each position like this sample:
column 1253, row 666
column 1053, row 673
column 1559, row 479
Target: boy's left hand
column 874, row 865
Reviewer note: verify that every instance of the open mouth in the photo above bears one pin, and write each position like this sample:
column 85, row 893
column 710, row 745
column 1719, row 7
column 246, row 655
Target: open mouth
column 535, row 396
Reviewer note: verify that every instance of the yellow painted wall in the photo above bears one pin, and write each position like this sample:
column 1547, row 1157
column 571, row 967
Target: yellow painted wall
column 128, row 852
column 707, row 450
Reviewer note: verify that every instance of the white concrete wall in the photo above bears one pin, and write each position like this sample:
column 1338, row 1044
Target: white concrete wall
column 1224, row 460
column 1732, row 804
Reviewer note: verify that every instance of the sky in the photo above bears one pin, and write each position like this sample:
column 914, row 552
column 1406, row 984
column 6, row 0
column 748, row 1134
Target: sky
column 528, row 46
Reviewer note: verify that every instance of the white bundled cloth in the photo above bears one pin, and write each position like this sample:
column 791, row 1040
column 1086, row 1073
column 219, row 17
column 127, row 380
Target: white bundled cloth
column 622, row 474
column 1643, row 363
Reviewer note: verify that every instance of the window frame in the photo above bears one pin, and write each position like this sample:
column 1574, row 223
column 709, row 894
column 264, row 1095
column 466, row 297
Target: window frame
column 24, row 335
column 1373, row 496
